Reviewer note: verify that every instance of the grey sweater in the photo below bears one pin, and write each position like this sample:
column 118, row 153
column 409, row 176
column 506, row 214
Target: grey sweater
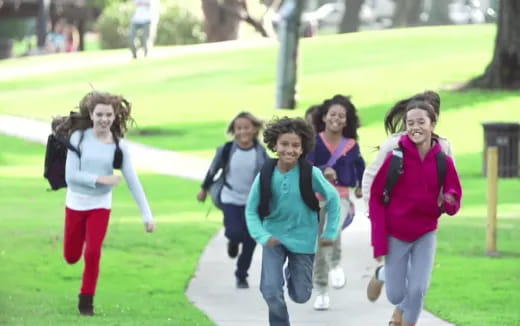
column 96, row 160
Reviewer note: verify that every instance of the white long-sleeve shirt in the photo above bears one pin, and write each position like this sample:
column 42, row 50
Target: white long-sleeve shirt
column 390, row 144
column 96, row 160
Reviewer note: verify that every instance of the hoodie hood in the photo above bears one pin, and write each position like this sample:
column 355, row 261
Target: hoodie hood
column 409, row 147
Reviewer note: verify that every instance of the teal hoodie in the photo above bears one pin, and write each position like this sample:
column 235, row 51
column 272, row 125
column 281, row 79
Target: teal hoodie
column 290, row 220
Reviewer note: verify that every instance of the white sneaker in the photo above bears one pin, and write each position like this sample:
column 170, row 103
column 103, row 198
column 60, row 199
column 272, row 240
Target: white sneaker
column 337, row 277
column 322, row 302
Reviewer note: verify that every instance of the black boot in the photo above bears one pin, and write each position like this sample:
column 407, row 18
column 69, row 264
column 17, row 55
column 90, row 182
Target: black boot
column 86, row 305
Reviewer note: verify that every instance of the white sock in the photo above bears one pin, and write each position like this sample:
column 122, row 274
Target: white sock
column 381, row 274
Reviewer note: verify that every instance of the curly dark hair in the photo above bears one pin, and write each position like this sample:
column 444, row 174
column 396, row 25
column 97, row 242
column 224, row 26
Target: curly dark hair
column 353, row 123
column 394, row 119
column 81, row 120
column 286, row 125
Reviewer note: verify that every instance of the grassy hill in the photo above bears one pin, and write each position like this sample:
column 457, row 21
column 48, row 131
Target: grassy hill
column 185, row 102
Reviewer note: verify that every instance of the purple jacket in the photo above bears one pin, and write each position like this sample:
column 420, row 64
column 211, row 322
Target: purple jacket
column 349, row 167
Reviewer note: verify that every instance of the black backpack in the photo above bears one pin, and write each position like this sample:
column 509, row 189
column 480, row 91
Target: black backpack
column 396, row 169
column 215, row 185
column 56, row 158
column 266, row 175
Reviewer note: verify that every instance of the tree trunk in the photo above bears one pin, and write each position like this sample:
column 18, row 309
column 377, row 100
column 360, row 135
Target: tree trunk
column 504, row 70
column 222, row 19
column 350, row 21
column 407, row 13
column 439, row 13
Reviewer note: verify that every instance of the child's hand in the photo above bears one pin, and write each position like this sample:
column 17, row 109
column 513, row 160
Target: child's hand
column 326, row 242
column 330, row 174
column 358, row 192
column 201, row 196
column 380, row 259
column 150, row 226
column 109, row 180
column 272, row 242
column 450, row 199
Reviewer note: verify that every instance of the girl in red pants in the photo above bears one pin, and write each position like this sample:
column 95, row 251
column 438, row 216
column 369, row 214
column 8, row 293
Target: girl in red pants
column 96, row 134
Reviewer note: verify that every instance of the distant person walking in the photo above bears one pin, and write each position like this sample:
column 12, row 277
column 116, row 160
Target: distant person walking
column 239, row 161
column 97, row 134
column 337, row 154
column 282, row 215
column 145, row 16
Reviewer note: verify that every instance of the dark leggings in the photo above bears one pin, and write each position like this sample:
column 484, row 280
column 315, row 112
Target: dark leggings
column 236, row 231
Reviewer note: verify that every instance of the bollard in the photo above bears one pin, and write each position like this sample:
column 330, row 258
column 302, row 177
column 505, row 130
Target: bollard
column 492, row 177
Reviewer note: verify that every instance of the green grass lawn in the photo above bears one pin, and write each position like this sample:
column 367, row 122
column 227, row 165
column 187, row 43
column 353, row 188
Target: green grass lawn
column 184, row 103
column 143, row 276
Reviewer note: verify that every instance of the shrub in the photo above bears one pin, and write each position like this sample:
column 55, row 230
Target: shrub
column 113, row 25
column 177, row 25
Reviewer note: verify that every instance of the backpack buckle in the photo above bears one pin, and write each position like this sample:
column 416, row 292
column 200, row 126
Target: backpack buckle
column 386, row 197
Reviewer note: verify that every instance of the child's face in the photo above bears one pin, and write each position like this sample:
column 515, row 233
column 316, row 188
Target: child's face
column 244, row 131
column 289, row 148
column 335, row 119
column 102, row 117
column 419, row 126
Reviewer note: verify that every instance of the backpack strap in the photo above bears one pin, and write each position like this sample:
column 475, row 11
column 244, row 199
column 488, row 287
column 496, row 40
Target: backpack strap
column 345, row 145
column 308, row 195
column 394, row 172
column 226, row 151
column 441, row 167
column 221, row 164
column 118, row 154
column 266, row 175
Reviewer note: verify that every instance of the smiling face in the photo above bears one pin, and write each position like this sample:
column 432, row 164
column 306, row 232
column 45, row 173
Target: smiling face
column 289, row 148
column 419, row 126
column 102, row 117
column 244, row 132
column 335, row 119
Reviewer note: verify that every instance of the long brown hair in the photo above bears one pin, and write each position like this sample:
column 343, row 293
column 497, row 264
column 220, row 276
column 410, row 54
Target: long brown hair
column 65, row 126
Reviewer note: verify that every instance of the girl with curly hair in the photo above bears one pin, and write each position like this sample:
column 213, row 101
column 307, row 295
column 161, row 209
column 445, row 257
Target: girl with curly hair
column 337, row 154
column 240, row 161
column 282, row 216
column 96, row 132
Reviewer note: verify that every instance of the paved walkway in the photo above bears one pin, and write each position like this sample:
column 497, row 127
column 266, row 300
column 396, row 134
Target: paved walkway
column 212, row 288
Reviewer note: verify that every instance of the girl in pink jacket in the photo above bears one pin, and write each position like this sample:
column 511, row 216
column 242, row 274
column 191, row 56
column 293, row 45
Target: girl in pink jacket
column 404, row 227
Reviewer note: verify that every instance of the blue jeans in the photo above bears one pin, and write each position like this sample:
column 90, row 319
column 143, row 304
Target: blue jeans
column 134, row 27
column 298, row 275
column 236, row 231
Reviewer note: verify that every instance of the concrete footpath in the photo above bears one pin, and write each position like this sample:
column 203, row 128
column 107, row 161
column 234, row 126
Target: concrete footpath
column 212, row 288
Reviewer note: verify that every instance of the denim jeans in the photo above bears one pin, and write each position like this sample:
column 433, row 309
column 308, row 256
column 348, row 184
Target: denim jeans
column 134, row 27
column 298, row 275
column 236, row 231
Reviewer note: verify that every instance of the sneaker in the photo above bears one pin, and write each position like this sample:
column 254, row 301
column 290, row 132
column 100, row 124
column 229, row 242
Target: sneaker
column 232, row 249
column 322, row 302
column 374, row 286
column 242, row 283
column 337, row 277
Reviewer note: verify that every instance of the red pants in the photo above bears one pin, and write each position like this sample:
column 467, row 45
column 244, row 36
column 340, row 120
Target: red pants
column 85, row 228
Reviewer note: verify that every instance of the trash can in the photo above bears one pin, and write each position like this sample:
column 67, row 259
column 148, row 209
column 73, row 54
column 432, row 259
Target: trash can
column 505, row 136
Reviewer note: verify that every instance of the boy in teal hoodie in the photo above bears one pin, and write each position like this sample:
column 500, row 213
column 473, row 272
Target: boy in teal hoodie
column 282, row 216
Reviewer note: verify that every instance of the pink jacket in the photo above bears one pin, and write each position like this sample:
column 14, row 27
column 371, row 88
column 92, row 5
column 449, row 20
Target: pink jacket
column 413, row 209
